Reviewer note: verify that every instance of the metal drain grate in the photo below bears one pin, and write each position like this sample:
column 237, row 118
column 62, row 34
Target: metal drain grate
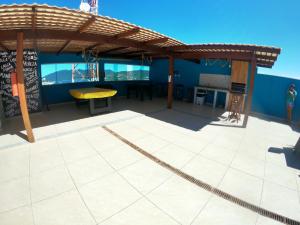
column 207, row 187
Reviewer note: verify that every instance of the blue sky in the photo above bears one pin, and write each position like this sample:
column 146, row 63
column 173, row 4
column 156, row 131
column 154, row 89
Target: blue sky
column 261, row 22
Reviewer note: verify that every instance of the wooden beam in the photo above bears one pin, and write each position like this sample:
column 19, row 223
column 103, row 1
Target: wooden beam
column 131, row 54
column 83, row 28
column 91, row 47
column 170, row 82
column 73, row 35
column 244, row 56
column 87, row 24
column 127, row 33
column 134, row 52
column 156, row 41
column 250, row 93
column 123, row 34
column 67, row 43
column 4, row 47
column 112, row 50
column 265, row 57
column 94, row 46
column 21, row 86
column 226, row 46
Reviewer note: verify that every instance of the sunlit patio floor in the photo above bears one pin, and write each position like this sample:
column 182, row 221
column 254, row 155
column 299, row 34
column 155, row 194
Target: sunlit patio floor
column 77, row 173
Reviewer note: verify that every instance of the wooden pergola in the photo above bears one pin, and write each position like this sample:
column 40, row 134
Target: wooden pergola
column 57, row 30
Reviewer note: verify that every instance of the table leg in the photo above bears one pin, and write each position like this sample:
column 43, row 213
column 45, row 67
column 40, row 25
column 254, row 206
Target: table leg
column 108, row 104
column 226, row 101
column 215, row 99
column 92, row 106
column 94, row 110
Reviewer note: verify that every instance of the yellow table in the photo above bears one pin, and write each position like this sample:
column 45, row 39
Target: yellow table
column 94, row 93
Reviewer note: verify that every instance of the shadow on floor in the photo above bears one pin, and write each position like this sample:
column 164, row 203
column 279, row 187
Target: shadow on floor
column 183, row 114
column 292, row 157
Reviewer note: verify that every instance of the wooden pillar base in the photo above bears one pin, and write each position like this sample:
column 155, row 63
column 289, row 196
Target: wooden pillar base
column 21, row 87
column 250, row 93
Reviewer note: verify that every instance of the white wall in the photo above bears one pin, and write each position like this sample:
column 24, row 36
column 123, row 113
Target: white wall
column 214, row 80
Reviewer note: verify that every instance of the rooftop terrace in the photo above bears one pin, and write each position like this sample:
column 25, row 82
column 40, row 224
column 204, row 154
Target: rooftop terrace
column 79, row 173
column 146, row 162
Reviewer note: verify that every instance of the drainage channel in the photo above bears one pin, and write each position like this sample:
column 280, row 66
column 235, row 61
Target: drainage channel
column 207, row 187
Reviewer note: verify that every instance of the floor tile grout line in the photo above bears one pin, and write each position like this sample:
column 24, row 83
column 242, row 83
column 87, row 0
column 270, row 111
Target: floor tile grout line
column 116, row 172
column 162, row 210
column 202, row 208
column 166, row 180
column 30, row 189
column 212, row 195
column 103, row 158
column 208, row 200
column 175, row 131
column 53, row 196
column 219, row 183
column 298, row 184
column 74, row 183
column 170, row 177
column 195, row 155
column 121, row 210
column 229, row 165
column 142, row 195
column 210, row 188
column 263, row 185
column 146, row 197
column 15, row 208
column 59, row 134
column 169, row 142
column 13, row 179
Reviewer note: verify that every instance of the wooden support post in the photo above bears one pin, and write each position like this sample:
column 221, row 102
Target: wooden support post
column 250, row 93
column 21, row 87
column 170, row 81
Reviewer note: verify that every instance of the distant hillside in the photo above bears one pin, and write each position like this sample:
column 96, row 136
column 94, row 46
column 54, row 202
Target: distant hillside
column 62, row 76
column 65, row 76
column 126, row 75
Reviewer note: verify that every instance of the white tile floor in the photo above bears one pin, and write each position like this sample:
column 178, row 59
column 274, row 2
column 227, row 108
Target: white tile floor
column 78, row 173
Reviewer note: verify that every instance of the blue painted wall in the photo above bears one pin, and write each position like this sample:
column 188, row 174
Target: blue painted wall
column 187, row 74
column 269, row 95
column 52, row 94
column 269, row 91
